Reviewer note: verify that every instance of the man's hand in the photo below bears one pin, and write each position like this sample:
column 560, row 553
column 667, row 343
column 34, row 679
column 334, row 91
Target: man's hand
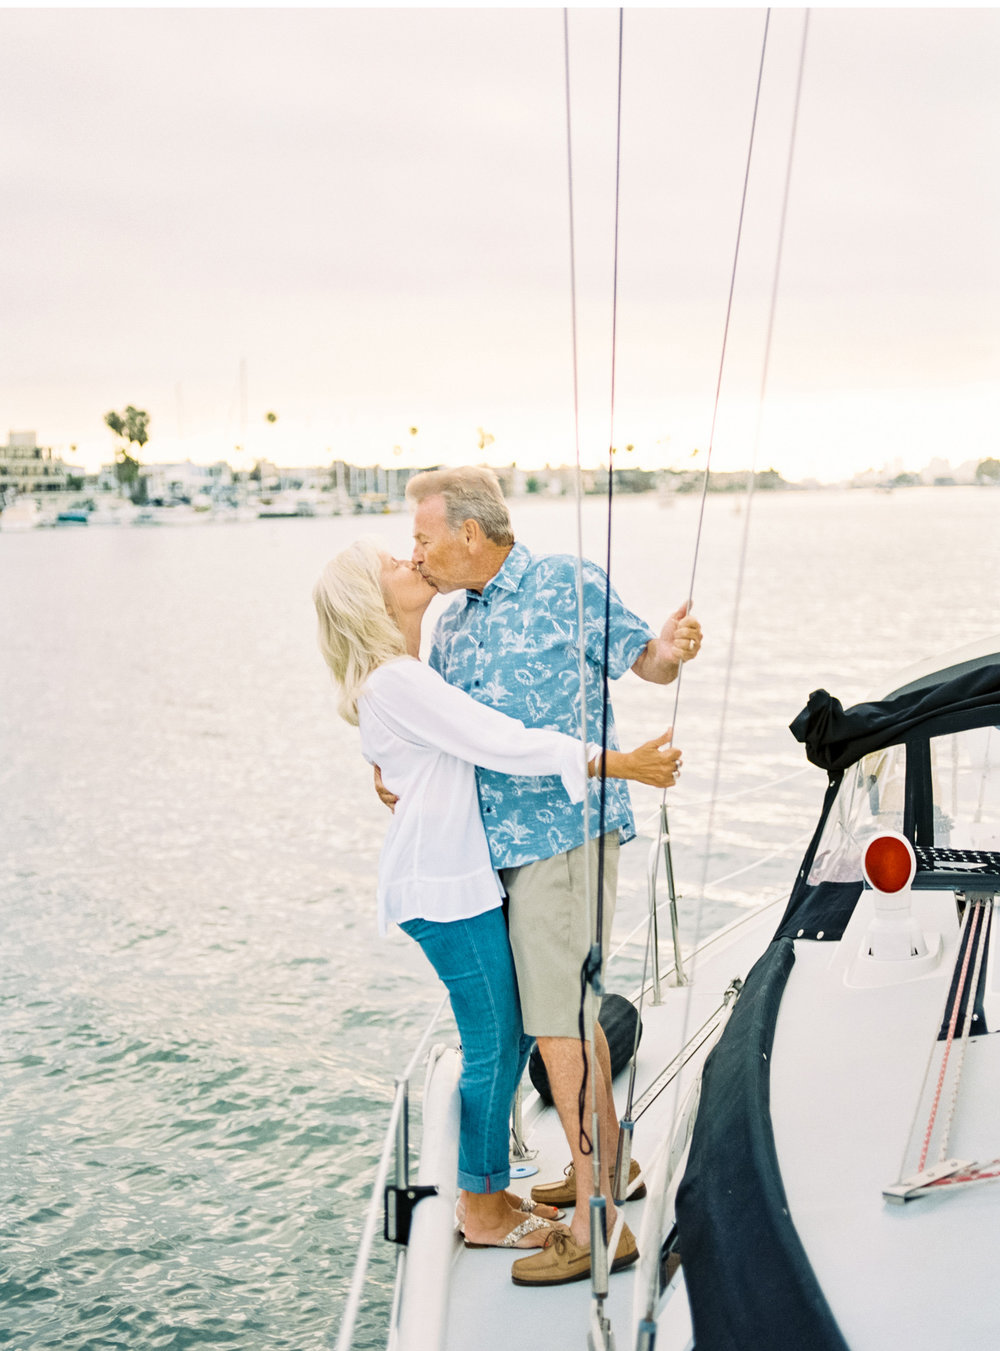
column 681, row 634
column 384, row 796
column 679, row 641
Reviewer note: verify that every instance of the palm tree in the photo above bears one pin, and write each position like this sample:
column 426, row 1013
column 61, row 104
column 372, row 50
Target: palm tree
column 132, row 428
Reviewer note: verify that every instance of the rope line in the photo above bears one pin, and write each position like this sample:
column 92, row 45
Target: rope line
column 966, row 956
column 972, row 951
column 684, row 805
column 742, row 919
column 970, row 1004
column 908, row 1154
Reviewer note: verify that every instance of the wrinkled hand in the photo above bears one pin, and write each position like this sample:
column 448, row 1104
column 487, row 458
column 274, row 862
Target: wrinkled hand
column 384, row 796
column 682, row 634
column 655, row 762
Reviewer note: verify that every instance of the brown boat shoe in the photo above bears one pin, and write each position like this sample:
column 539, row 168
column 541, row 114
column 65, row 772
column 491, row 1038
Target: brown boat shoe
column 563, row 1192
column 563, row 1260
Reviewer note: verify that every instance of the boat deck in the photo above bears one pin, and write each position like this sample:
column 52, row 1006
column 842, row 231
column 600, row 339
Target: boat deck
column 480, row 1293
column 846, row 1079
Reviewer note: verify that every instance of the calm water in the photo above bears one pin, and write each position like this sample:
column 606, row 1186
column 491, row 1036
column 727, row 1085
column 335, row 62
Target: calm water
column 198, row 1024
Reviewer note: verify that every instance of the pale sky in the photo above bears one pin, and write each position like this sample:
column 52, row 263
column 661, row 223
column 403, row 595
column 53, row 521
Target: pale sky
column 368, row 207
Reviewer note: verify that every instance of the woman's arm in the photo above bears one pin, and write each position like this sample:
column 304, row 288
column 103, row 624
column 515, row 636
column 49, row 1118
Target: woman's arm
column 655, row 762
column 418, row 705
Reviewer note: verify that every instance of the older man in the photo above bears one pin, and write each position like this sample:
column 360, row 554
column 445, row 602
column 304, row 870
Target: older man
column 513, row 643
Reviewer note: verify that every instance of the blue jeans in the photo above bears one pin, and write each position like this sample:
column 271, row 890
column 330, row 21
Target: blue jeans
column 472, row 957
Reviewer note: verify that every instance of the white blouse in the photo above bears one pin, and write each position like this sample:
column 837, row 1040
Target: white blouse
column 427, row 737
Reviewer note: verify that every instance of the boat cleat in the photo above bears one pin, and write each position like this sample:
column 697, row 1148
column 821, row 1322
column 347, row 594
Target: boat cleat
column 922, row 1184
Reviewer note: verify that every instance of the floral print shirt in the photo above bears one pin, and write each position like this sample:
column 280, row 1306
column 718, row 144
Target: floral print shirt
column 515, row 648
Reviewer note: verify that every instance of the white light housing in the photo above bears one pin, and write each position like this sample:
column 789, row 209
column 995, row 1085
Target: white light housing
column 889, row 866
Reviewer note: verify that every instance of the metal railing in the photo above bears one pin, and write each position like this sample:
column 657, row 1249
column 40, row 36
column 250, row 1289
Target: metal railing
column 396, row 1143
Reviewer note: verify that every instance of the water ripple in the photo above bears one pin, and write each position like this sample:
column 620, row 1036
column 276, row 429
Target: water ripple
column 199, row 1026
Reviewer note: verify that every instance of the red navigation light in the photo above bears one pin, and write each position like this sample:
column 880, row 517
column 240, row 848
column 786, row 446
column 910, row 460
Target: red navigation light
column 890, row 863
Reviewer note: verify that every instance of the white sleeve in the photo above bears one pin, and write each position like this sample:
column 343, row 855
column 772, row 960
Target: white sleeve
column 417, row 704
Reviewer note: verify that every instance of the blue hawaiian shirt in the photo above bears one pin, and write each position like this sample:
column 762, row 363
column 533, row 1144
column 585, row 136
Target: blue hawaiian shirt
column 515, row 648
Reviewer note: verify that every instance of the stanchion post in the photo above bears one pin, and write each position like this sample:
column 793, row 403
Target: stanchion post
column 681, row 978
column 623, row 1161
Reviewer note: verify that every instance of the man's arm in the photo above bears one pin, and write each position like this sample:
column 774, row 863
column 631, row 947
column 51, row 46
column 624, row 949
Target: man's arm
column 679, row 641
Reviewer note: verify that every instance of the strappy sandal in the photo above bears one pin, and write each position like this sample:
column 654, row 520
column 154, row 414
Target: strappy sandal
column 526, row 1205
column 531, row 1208
column 512, row 1240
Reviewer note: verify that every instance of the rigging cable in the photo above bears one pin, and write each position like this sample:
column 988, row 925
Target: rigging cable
column 591, row 970
column 584, row 730
column 662, row 815
column 651, row 1294
column 591, row 973
column 741, row 568
column 751, row 477
column 725, row 340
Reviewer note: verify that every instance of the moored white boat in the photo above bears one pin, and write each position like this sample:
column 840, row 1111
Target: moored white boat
column 22, row 514
column 113, row 511
column 285, row 505
column 177, row 513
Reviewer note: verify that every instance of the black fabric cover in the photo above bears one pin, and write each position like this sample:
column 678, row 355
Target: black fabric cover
column 618, row 1018
column 836, row 737
column 822, row 911
column 749, row 1282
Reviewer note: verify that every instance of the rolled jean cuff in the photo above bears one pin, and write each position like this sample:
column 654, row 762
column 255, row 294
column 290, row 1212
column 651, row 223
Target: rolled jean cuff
column 492, row 1182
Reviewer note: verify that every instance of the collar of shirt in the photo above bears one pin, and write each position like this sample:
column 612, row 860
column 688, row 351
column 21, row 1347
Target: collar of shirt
column 508, row 578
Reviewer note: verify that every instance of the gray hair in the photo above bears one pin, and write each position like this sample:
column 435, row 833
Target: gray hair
column 470, row 492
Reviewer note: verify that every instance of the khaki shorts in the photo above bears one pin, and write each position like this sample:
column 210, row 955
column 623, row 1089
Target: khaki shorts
column 550, row 934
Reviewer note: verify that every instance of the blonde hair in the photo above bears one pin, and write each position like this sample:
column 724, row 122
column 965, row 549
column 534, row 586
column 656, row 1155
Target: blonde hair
column 357, row 633
column 471, row 492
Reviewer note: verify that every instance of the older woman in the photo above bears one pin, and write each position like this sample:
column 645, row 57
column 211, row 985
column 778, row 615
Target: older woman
column 436, row 880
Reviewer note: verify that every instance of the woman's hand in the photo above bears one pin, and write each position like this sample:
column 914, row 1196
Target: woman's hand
column 655, row 762
column 385, row 796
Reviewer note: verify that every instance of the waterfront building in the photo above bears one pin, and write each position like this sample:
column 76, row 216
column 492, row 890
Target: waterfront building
column 28, row 468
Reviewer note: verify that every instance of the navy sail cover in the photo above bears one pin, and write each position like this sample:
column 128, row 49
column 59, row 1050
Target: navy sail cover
column 835, row 737
column 749, row 1280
